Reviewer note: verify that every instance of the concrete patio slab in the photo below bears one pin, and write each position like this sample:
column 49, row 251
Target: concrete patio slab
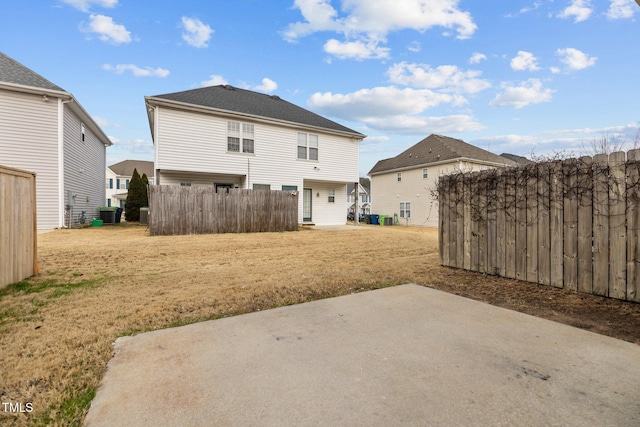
column 406, row 355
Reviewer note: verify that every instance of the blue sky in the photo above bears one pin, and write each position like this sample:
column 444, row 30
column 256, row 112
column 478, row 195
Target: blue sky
column 517, row 76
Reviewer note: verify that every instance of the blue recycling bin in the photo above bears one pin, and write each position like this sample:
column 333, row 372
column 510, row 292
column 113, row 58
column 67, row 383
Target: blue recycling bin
column 375, row 219
column 118, row 215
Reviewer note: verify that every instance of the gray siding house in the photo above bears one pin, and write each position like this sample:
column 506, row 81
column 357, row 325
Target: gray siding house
column 43, row 129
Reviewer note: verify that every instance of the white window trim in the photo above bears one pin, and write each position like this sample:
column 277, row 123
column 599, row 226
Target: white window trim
column 399, row 176
column 241, row 135
column 425, row 173
column 331, row 194
column 404, row 210
column 308, row 146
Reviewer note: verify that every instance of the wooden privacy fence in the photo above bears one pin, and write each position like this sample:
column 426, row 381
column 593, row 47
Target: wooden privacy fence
column 198, row 210
column 571, row 224
column 18, row 228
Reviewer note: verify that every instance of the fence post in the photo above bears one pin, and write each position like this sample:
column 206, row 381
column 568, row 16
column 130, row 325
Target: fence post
column 601, row 225
column 585, row 224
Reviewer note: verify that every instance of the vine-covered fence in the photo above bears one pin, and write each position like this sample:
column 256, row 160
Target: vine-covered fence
column 571, row 224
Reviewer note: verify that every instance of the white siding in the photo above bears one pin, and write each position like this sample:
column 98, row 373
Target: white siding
column 387, row 193
column 84, row 169
column 324, row 212
column 195, row 142
column 29, row 140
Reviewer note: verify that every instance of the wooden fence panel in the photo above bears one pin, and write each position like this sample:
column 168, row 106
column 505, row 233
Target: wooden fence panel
column 476, row 215
column 570, row 233
column 544, row 235
column 196, row 210
column 617, row 227
column 466, row 200
column 482, row 223
column 521, row 225
column 18, row 227
column 585, row 224
column 532, row 224
column 445, row 222
column 510, row 223
column 556, row 228
column 633, row 225
column 501, row 222
column 459, row 192
column 492, row 227
column 601, row 225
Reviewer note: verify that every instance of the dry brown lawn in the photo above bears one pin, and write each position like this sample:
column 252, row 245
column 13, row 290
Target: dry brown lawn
column 97, row 284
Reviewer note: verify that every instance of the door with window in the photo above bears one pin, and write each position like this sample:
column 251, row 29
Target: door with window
column 306, row 204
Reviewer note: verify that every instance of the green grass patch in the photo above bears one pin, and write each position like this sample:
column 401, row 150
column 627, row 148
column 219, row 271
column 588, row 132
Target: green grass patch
column 71, row 411
column 26, row 287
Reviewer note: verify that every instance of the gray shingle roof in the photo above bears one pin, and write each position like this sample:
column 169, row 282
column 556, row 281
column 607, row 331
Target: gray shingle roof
column 229, row 98
column 437, row 148
column 11, row 71
column 126, row 167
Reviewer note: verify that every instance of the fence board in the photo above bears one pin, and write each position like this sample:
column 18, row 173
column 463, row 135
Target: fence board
column 556, row 228
column 544, row 236
column 521, row 225
column 482, row 223
column 459, row 191
column 453, row 221
column 445, row 221
column 601, row 225
column 617, row 227
column 500, row 227
column 585, row 224
column 466, row 186
column 532, row 223
column 570, row 233
column 475, row 216
column 510, row 223
column 492, row 227
column 633, row 225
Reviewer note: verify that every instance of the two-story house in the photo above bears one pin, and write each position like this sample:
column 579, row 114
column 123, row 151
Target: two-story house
column 228, row 137
column 44, row 129
column 363, row 195
column 118, row 177
column 404, row 184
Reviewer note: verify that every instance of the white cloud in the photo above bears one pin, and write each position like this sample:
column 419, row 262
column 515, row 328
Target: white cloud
column 524, row 61
column 415, row 47
column 476, row 58
column 197, row 33
column 84, row 5
column 355, row 50
column 136, row 71
column 104, row 122
column 425, row 124
column 448, row 78
column 267, row 85
column 621, row 9
column 527, row 93
column 107, row 30
column 214, row 80
column 579, row 9
column 366, row 23
column 575, row 59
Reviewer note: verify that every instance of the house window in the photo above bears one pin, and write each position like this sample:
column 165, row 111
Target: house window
column 127, row 184
column 234, row 136
column 307, row 146
column 262, row 186
column 425, row 173
column 289, row 188
column 405, row 209
column 364, row 198
column 117, row 183
column 108, row 202
column 122, row 204
column 111, row 183
column 185, row 184
column 399, row 177
column 331, row 195
column 82, row 131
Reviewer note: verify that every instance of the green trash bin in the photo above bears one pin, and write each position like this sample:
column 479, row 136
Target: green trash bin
column 382, row 219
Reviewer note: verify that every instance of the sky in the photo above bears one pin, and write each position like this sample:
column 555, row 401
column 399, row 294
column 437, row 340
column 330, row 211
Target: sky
column 537, row 78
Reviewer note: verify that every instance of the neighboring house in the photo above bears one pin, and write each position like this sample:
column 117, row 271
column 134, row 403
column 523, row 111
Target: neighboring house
column 118, row 178
column 518, row 159
column 364, row 197
column 404, row 184
column 43, row 129
column 228, row 137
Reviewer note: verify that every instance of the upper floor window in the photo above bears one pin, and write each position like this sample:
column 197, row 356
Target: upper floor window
column 307, row 146
column 237, row 134
column 82, row 131
column 117, row 183
column 331, row 193
column 399, row 177
column 425, row 173
column 127, row 184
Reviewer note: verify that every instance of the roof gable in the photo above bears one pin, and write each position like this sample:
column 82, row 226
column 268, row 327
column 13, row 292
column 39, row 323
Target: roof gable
column 232, row 99
column 437, row 149
column 11, row 71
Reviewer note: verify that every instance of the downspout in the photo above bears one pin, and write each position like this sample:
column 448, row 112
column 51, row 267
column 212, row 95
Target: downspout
column 61, row 204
